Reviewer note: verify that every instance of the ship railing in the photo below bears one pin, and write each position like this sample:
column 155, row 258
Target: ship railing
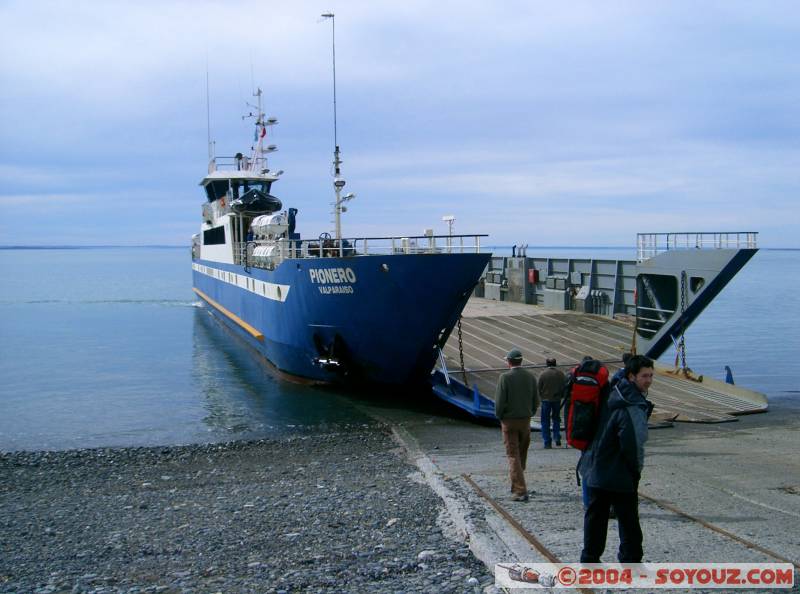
column 417, row 244
column 245, row 163
column 649, row 245
column 245, row 253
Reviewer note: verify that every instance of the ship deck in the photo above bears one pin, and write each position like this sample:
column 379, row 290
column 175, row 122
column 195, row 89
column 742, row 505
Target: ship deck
column 492, row 328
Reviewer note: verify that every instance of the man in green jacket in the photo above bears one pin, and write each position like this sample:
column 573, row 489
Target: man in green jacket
column 551, row 390
column 515, row 402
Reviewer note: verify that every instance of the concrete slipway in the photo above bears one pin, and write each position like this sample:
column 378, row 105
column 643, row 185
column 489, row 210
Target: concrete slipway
column 743, row 478
column 726, row 492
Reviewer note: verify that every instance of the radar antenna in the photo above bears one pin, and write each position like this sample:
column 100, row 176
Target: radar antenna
column 258, row 160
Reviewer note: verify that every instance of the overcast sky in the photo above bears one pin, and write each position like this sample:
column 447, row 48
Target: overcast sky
column 549, row 123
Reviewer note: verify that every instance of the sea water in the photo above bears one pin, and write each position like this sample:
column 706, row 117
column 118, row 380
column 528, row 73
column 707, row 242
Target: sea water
column 110, row 347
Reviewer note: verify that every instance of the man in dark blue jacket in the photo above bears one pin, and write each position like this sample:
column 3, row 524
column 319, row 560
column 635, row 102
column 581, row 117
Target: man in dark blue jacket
column 613, row 464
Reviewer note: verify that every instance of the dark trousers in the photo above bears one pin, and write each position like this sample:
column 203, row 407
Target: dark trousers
column 551, row 416
column 595, row 525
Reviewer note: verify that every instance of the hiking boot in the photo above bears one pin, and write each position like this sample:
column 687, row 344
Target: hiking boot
column 548, row 446
column 520, row 497
column 558, row 443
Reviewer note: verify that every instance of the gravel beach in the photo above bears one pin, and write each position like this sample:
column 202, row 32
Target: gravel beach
column 342, row 511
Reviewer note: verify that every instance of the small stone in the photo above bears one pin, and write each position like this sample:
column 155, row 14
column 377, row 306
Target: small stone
column 426, row 554
column 392, row 522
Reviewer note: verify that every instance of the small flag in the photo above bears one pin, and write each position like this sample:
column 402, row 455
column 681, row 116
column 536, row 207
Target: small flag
column 263, row 131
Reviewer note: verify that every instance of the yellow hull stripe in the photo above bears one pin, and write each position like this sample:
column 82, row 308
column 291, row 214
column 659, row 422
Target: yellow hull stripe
column 244, row 325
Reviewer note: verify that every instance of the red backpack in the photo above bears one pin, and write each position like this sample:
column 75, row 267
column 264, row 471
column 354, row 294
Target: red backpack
column 587, row 386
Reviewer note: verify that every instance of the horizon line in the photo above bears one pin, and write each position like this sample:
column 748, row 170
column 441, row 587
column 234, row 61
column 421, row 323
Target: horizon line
column 177, row 246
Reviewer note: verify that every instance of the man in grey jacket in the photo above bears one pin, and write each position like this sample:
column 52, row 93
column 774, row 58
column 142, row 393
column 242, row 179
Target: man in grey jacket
column 613, row 464
column 516, row 399
column 551, row 391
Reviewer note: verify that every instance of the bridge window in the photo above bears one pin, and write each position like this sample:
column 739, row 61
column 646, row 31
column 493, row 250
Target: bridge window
column 214, row 236
column 216, row 189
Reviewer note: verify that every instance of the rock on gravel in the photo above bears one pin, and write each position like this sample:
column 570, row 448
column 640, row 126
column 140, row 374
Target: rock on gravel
column 335, row 512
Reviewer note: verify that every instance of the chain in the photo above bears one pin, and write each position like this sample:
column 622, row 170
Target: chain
column 682, row 343
column 636, row 318
column 461, row 351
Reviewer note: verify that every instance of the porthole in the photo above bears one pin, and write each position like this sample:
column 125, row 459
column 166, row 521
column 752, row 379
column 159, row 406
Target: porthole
column 696, row 283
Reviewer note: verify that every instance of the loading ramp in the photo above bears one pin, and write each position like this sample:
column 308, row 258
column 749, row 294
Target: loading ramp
column 489, row 329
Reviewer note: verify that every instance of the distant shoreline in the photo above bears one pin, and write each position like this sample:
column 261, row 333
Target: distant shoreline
column 186, row 246
column 90, row 247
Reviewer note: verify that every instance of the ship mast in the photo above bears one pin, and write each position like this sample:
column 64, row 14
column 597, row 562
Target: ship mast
column 338, row 182
column 258, row 160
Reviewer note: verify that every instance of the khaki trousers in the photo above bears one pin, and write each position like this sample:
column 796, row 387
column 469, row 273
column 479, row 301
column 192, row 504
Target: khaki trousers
column 517, row 438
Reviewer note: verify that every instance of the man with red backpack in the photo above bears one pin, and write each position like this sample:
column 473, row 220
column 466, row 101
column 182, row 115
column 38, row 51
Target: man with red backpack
column 585, row 390
column 612, row 465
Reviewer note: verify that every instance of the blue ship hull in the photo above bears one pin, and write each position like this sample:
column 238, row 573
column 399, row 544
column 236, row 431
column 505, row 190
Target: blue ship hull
column 363, row 319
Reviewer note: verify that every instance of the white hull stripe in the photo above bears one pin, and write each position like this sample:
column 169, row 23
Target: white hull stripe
column 267, row 290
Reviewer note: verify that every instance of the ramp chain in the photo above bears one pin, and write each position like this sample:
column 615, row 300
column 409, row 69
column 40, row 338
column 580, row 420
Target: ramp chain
column 461, row 351
column 682, row 343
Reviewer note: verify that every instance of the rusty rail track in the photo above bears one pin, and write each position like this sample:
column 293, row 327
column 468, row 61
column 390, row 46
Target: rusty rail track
column 535, row 542
column 547, row 554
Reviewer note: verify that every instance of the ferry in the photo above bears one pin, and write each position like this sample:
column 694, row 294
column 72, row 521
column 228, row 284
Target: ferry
column 355, row 310
column 329, row 308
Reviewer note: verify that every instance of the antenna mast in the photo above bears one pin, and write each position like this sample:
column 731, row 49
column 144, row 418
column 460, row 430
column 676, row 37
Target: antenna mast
column 208, row 116
column 338, row 182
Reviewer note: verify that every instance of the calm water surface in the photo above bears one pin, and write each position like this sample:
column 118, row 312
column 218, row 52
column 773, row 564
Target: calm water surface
column 108, row 347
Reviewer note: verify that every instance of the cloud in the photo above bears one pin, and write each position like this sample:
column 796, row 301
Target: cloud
column 498, row 113
column 45, row 201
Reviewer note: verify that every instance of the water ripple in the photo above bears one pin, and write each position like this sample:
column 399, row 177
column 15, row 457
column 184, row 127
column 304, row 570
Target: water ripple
column 165, row 302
